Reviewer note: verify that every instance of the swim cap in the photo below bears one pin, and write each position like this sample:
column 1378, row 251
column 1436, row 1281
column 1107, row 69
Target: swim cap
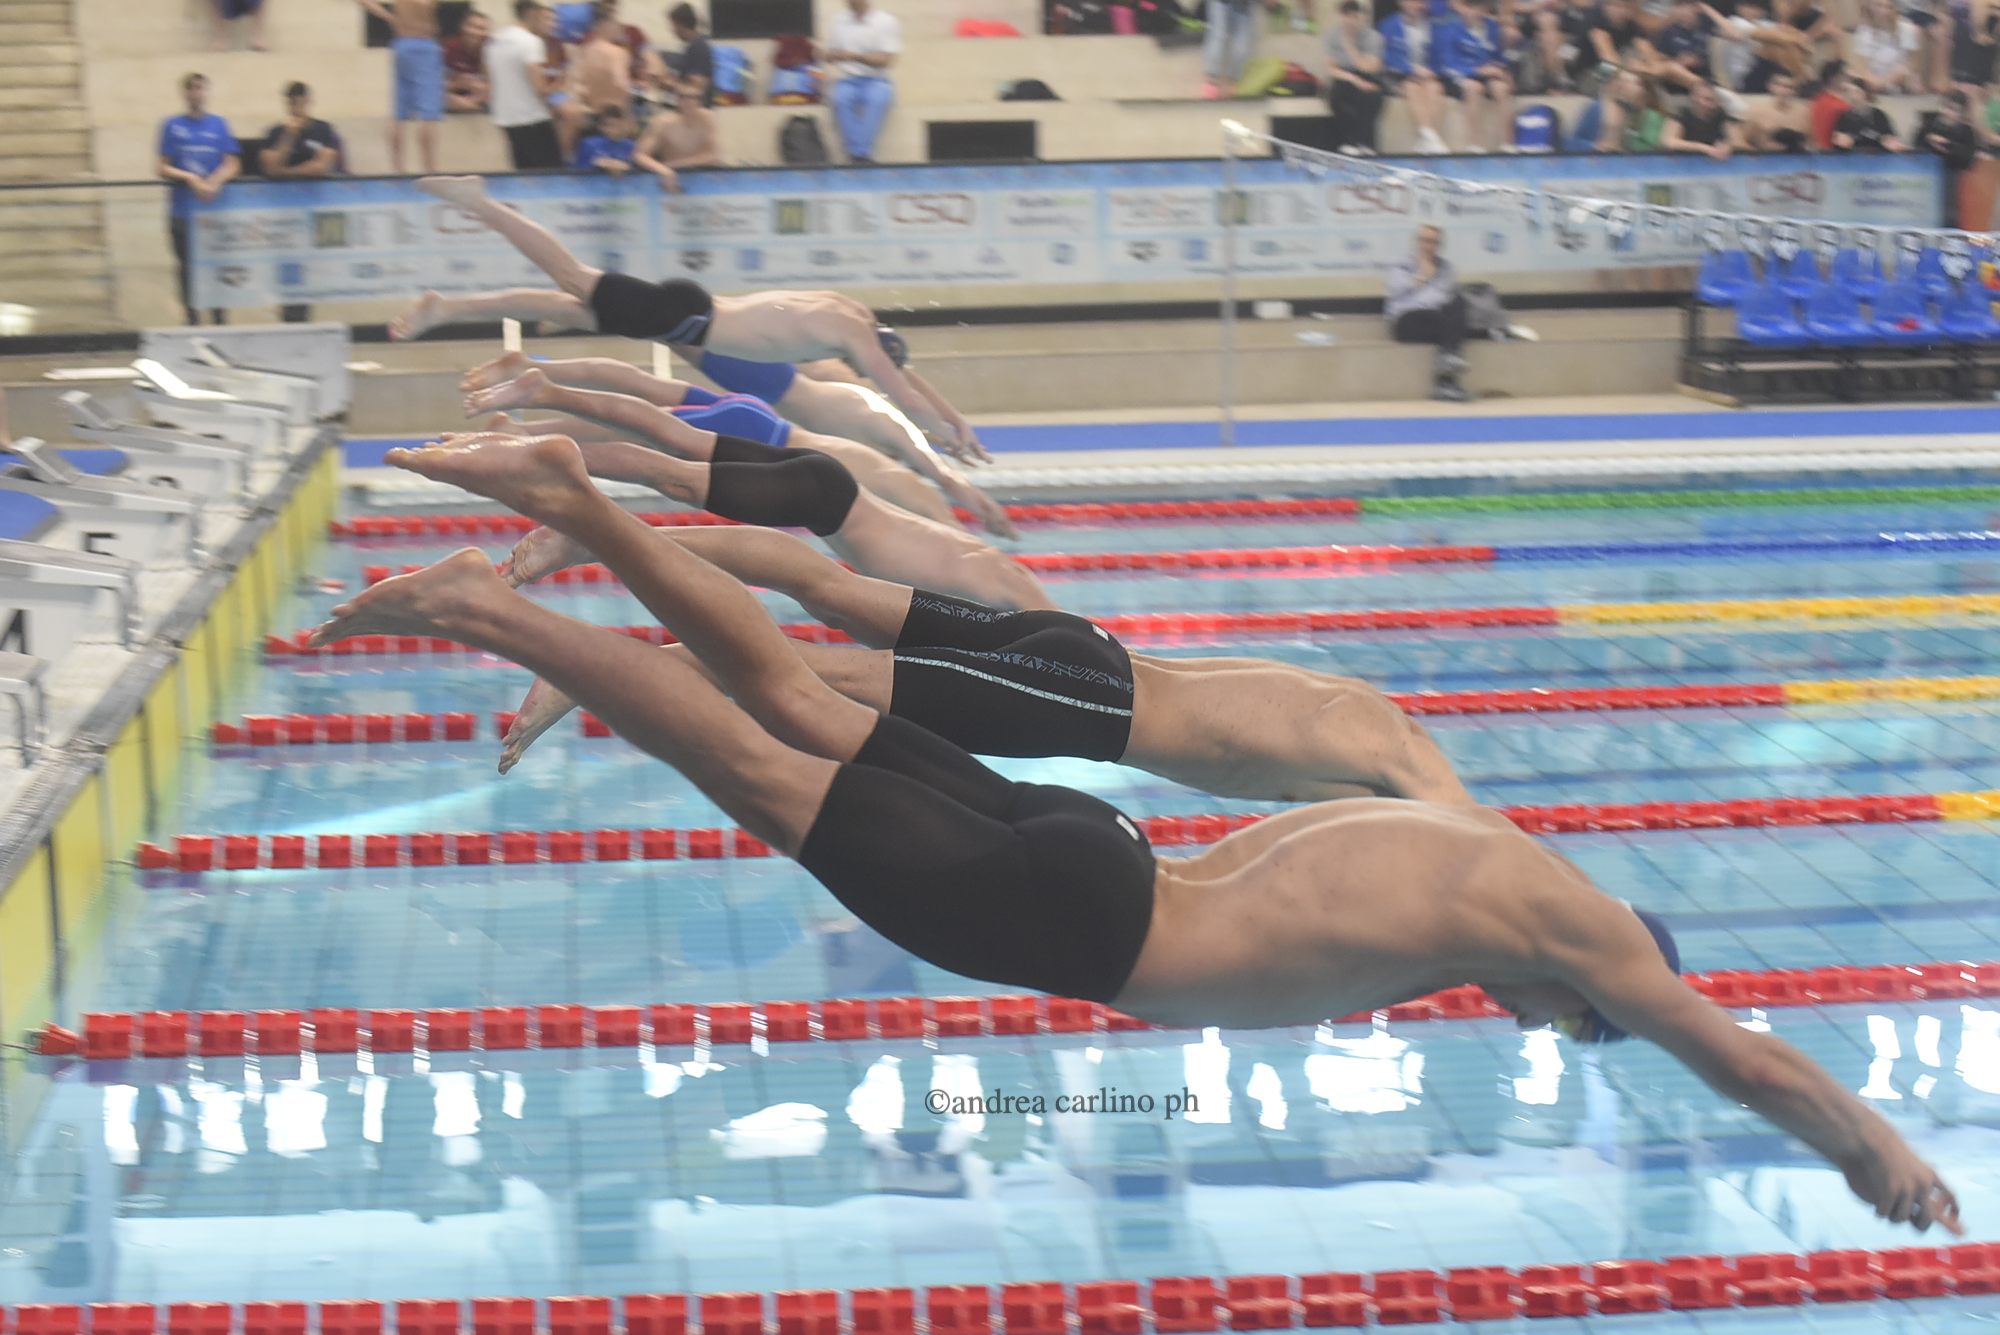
column 894, row 344
column 1591, row 1027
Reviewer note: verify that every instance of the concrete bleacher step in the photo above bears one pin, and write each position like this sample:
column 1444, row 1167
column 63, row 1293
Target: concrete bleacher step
column 71, row 262
column 34, row 32
column 20, row 120
column 40, row 11
column 66, row 55
column 17, row 141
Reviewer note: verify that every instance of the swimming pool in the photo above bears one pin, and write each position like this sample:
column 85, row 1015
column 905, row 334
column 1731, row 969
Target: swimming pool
column 818, row 1165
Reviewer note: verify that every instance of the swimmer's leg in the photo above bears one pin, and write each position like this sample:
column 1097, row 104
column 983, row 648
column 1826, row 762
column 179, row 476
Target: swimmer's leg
column 870, row 611
column 536, row 242
column 627, row 417
column 651, row 699
column 889, row 544
column 710, row 612
column 601, row 373
column 535, row 304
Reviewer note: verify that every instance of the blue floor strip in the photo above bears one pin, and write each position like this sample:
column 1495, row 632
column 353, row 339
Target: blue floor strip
column 1337, row 431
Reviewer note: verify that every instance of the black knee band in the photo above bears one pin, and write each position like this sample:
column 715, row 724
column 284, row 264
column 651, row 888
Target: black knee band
column 800, row 490
column 676, row 311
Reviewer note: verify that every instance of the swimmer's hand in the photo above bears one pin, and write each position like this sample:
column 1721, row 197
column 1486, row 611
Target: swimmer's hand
column 987, row 512
column 1902, row 1187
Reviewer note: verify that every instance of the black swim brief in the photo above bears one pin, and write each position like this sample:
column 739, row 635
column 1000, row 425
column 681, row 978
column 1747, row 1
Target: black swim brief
column 676, row 311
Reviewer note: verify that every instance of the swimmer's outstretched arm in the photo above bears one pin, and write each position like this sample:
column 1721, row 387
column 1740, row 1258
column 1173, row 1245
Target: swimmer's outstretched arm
column 875, row 421
column 1614, row 962
column 632, row 418
column 864, row 350
column 963, row 436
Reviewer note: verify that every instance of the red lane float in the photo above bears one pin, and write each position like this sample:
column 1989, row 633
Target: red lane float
column 477, row 525
column 120, row 1036
column 1138, row 628
column 267, row 730
column 244, row 852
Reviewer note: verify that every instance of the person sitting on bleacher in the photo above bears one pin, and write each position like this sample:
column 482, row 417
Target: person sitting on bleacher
column 609, row 149
column 1783, row 123
column 686, row 136
column 1472, row 59
column 1683, row 43
column 1703, row 126
column 1626, row 118
column 465, row 87
column 1354, row 78
column 1409, row 60
column 1424, row 305
column 1864, row 127
column 1950, row 135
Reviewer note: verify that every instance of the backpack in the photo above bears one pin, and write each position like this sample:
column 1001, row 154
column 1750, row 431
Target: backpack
column 1260, row 76
column 1027, row 90
column 800, row 143
column 732, row 77
column 1298, row 81
column 1537, row 129
column 1483, row 311
column 1158, row 18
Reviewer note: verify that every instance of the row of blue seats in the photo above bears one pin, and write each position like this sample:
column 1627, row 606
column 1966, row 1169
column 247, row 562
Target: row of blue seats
column 1900, row 315
column 1725, row 275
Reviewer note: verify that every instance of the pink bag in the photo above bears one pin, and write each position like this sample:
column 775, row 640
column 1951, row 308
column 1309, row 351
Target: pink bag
column 1124, row 21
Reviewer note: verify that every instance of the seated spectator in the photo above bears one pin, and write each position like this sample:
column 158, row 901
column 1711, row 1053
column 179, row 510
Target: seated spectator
column 300, row 148
column 1783, row 123
column 1737, row 42
column 686, row 136
column 862, row 44
column 600, row 77
column 1830, row 103
column 1618, row 40
column 695, row 65
column 1792, row 42
column 465, row 86
column 1886, row 49
column 795, row 80
column 1864, row 127
column 1949, row 134
column 1629, row 115
column 1683, row 43
column 1424, row 305
column 1354, row 78
column 1472, row 61
column 610, row 147
column 227, row 12
column 1702, row 126
column 1409, row 59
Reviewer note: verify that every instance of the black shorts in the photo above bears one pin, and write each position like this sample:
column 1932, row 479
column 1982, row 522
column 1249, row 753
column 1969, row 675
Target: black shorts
column 1020, row 884
column 997, row 683
column 534, row 147
column 676, row 311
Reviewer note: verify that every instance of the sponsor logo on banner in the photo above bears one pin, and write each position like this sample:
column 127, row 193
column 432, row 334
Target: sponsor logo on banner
column 790, row 217
column 916, row 255
column 1143, row 251
column 750, row 260
column 1361, row 199
column 1067, row 212
column 1063, row 253
column 824, row 259
column 696, row 261
column 954, row 211
column 291, row 273
column 716, row 217
column 1786, row 190
column 1496, row 243
column 1133, row 210
column 232, row 275
column 329, row 229
column 1194, row 250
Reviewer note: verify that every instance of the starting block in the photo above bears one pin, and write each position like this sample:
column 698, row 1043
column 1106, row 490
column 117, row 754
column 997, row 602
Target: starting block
column 107, row 516
column 296, row 393
column 203, row 466
column 315, row 353
column 50, row 598
column 21, row 682
column 172, row 401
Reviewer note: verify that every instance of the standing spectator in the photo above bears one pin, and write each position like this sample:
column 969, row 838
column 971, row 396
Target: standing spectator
column 1424, row 305
column 862, row 45
column 199, row 156
column 1409, row 58
column 519, row 87
column 299, row 148
column 227, row 12
column 1864, row 127
column 601, row 75
column 419, row 61
column 1886, row 49
column 1783, row 124
column 1354, row 78
column 1702, row 126
column 1951, row 137
column 1231, row 38
column 1684, row 42
column 1473, row 62
column 1618, row 40
column 1739, row 44
column 1971, row 45
column 465, row 64
column 1560, row 54
column 696, row 61
column 610, row 149
column 685, row 137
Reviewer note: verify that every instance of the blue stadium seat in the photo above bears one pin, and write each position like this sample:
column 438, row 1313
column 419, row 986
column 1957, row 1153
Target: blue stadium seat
column 1902, row 315
column 1967, row 316
column 1766, row 318
column 1929, row 273
column 1799, row 276
column 1857, row 270
column 1834, row 319
column 1724, row 277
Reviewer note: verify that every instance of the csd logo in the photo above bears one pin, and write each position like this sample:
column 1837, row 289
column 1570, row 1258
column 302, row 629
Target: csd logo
column 935, row 210
column 1371, row 197
column 1790, row 188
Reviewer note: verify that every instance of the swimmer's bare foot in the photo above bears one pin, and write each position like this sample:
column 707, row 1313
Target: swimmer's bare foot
column 468, row 192
column 433, row 601
column 496, row 372
column 419, row 317
column 540, row 710
column 502, row 424
column 523, row 391
column 539, row 554
column 541, row 477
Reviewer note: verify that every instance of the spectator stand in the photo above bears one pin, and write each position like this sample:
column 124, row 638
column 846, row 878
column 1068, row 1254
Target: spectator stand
column 1822, row 312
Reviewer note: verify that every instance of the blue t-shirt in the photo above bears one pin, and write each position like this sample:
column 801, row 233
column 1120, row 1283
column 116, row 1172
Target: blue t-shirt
column 601, row 146
column 195, row 144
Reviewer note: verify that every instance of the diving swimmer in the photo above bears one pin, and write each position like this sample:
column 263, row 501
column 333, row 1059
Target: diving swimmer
column 1326, row 910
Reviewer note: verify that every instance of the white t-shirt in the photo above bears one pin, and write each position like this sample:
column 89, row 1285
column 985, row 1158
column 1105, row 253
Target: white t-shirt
column 511, row 57
column 1878, row 53
column 874, row 33
column 1417, row 41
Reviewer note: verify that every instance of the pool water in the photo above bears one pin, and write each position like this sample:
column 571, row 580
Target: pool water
column 821, row 1165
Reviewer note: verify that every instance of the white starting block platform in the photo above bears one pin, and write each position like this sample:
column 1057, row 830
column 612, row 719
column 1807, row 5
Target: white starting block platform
column 115, row 539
